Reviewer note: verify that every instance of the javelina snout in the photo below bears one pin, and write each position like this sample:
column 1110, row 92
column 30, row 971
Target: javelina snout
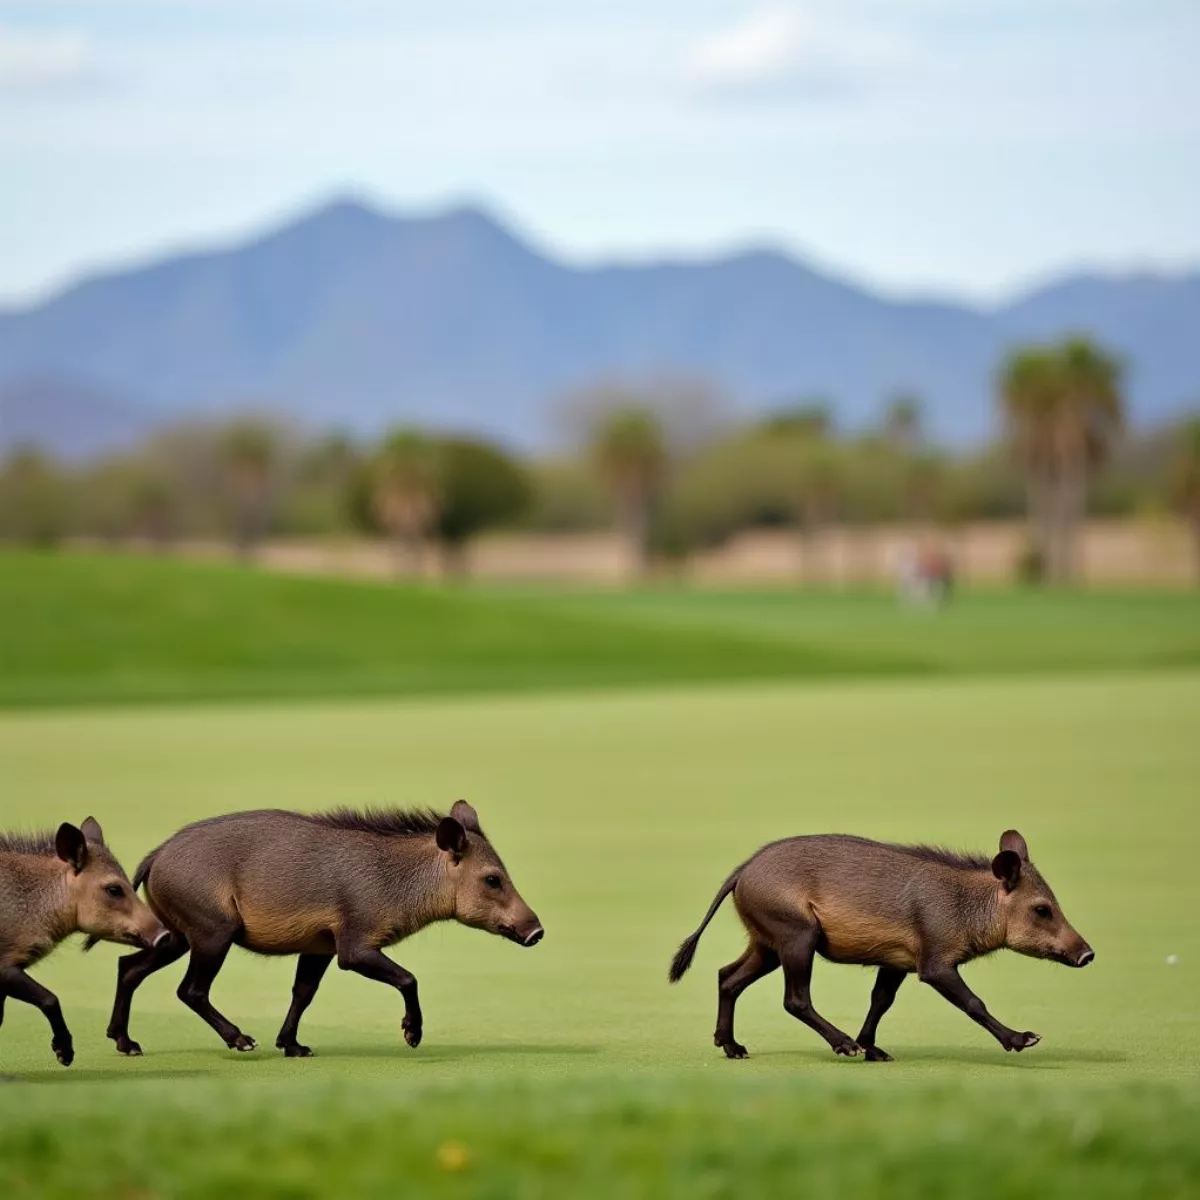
column 484, row 895
column 106, row 904
column 528, row 935
column 1035, row 923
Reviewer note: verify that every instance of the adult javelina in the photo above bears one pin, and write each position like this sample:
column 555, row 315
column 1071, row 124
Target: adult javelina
column 53, row 885
column 898, row 908
column 338, row 885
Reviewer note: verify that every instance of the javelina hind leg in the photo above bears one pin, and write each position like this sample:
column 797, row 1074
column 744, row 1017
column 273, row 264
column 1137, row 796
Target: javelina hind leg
column 947, row 981
column 310, row 970
column 132, row 971
column 19, row 986
column 732, row 980
column 374, row 964
column 887, row 984
column 203, row 966
column 797, row 958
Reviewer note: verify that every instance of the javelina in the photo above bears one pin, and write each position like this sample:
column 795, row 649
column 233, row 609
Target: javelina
column 898, row 908
column 53, row 885
column 337, row 885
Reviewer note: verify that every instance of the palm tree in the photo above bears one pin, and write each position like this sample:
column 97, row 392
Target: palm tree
column 1185, row 478
column 405, row 493
column 1063, row 406
column 630, row 452
column 902, row 423
column 248, row 448
column 817, row 486
column 809, row 468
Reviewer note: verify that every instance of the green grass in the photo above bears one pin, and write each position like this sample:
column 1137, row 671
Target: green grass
column 573, row 1069
column 85, row 629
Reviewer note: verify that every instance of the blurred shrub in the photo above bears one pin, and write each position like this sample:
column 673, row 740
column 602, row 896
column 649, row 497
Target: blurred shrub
column 565, row 497
column 478, row 487
column 36, row 500
column 1031, row 566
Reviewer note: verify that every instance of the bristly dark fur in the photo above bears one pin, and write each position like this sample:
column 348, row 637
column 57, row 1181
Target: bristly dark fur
column 388, row 822
column 27, row 843
column 949, row 858
column 935, row 854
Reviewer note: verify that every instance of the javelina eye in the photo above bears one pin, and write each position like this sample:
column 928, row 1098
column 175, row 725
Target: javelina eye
column 493, row 881
column 115, row 890
column 1043, row 911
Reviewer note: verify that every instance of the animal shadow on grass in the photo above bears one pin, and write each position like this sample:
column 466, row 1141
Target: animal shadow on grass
column 454, row 1051
column 1035, row 1059
column 1049, row 1058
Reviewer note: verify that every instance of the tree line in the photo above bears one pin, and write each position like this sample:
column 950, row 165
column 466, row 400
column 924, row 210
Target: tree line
column 668, row 464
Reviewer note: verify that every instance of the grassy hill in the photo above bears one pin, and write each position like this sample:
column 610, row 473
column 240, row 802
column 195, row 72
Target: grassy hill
column 120, row 628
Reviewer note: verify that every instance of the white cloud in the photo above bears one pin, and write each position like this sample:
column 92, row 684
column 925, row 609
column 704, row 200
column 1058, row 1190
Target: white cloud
column 814, row 47
column 33, row 61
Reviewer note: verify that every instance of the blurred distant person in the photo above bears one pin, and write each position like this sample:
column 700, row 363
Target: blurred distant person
column 924, row 575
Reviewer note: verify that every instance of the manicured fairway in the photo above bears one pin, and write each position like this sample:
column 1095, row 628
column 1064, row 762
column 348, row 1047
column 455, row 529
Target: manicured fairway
column 573, row 1069
column 90, row 629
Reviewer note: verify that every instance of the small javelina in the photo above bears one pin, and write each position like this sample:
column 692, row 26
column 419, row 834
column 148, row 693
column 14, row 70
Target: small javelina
column 899, row 908
column 336, row 885
column 53, row 885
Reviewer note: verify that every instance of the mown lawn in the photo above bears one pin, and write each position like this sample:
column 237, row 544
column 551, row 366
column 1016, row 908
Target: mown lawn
column 573, row 1068
column 86, row 629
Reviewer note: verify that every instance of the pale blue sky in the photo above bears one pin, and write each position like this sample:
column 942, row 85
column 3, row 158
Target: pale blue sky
column 962, row 146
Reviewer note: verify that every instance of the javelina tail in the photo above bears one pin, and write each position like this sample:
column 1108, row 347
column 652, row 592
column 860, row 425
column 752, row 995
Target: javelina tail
column 140, row 875
column 687, row 950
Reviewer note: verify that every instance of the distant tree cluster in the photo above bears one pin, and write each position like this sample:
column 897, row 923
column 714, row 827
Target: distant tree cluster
column 255, row 477
column 667, row 464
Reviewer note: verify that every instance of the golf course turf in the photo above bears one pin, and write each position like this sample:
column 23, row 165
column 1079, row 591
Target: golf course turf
column 574, row 1068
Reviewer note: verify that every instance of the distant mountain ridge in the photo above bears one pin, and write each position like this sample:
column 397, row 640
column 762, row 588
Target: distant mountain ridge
column 355, row 319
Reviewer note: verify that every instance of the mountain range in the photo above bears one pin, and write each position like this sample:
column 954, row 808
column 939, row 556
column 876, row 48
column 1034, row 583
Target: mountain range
column 355, row 319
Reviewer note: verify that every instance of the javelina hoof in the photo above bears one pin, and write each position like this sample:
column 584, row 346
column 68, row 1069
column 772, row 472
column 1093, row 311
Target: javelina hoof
column 295, row 1050
column 128, row 1048
column 874, row 1054
column 412, row 1033
column 243, row 1043
column 1022, row 1041
column 848, row 1049
column 63, row 1051
column 735, row 1050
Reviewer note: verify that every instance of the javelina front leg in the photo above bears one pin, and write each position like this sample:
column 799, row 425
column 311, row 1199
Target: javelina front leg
column 947, row 981
column 132, row 972
column 19, row 986
column 797, row 960
column 310, row 970
column 732, row 980
column 374, row 964
column 887, row 984
column 203, row 967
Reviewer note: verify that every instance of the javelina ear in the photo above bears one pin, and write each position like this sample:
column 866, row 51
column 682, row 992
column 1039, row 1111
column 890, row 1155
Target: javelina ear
column 71, row 846
column 466, row 816
column 1006, row 867
column 1010, row 839
column 451, row 837
column 92, row 831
